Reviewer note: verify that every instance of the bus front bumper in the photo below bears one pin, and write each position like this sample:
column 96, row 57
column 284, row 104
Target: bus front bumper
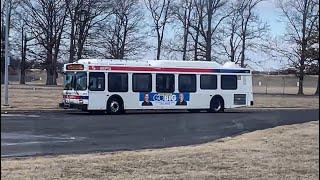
column 82, row 107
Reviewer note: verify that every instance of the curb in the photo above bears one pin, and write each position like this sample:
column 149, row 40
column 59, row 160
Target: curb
column 33, row 110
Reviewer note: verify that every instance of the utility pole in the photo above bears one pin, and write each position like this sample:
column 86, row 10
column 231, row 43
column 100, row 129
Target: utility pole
column 6, row 53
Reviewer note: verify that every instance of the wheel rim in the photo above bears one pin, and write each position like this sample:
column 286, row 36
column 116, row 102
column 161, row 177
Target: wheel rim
column 114, row 106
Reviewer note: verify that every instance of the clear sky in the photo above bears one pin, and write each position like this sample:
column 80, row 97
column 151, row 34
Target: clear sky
column 269, row 13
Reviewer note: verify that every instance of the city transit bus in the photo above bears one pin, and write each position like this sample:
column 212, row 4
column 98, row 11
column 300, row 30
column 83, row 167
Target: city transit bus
column 114, row 86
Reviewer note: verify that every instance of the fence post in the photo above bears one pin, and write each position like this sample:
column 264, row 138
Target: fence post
column 284, row 84
column 267, row 84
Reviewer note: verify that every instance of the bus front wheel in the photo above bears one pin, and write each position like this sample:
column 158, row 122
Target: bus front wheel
column 217, row 104
column 114, row 106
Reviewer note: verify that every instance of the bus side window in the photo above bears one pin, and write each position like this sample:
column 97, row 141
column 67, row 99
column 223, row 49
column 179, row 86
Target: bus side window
column 165, row 83
column 96, row 81
column 118, row 82
column 208, row 81
column 187, row 83
column 141, row 82
column 229, row 82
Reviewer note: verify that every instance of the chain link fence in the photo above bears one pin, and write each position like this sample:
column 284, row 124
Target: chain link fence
column 283, row 84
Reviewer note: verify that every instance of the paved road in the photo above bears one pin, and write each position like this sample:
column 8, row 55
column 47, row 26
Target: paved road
column 63, row 133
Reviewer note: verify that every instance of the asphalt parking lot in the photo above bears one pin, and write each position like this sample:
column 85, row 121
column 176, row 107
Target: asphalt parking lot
column 45, row 133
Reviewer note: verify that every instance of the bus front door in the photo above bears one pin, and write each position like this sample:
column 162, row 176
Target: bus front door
column 97, row 100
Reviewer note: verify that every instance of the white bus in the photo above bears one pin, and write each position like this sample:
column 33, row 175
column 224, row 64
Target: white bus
column 118, row 85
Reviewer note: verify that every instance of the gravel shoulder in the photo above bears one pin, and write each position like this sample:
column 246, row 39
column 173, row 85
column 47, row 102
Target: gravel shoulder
column 284, row 152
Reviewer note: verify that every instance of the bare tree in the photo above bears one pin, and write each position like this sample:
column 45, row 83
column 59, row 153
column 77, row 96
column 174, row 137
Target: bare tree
column 12, row 6
column 118, row 35
column 47, row 20
column 231, row 32
column 196, row 19
column 243, row 30
column 301, row 17
column 182, row 12
column 312, row 54
column 251, row 27
column 160, row 14
column 83, row 16
column 209, row 17
column 21, row 38
column 20, row 25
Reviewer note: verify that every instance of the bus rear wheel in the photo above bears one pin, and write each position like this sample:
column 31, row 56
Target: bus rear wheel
column 114, row 106
column 217, row 105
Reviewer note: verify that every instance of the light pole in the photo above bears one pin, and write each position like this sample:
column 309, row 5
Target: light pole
column 6, row 53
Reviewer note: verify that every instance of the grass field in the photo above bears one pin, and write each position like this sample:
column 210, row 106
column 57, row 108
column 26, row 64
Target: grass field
column 285, row 152
column 25, row 97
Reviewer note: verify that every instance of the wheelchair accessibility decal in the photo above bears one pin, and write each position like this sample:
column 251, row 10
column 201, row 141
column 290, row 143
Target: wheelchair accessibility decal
column 164, row 99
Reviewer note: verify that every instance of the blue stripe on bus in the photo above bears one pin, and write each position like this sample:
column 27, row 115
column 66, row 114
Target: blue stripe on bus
column 84, row 97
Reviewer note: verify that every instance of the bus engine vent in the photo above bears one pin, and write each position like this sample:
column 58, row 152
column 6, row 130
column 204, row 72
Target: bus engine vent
column 239, row 99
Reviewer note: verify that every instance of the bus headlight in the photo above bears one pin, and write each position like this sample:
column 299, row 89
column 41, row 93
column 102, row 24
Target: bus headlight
column 80, row 101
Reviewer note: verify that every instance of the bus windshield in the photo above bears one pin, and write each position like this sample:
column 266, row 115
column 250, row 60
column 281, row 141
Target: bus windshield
column 68, row 80
column 80, row 81
column 76, row 81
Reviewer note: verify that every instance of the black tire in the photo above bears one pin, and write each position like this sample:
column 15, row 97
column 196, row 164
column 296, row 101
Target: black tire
column 217, row 105
column 114, row 106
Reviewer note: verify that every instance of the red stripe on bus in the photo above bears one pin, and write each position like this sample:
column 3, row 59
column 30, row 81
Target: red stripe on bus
column 71, row 97
column 122, row 68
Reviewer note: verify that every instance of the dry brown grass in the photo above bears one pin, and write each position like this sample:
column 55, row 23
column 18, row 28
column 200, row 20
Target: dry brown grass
column 285, row 152
column 289, row 101
column 39, row 97
column 32, row 97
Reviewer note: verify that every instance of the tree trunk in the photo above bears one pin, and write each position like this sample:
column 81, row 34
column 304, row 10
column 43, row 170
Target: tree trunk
column 23, row 58
column 72, row 44
column 186, row 31
column 208, row 49
column 209, row 34
column 232, row 49
column 80, row 49
column 195, row 58
column 159, row 46
column 243, row 51
column 301, row 74
column 80, row 42
column 300, row 91
column 51, row 70
column 51, row 77
column 124, row 40
column 185, row 40
column 303, row 51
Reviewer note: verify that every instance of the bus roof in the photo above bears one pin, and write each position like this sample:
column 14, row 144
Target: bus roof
column 154, row 63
